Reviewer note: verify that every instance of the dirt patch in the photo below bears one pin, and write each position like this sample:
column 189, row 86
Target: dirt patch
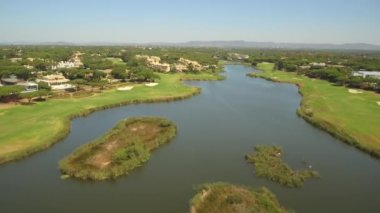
column 103, row 158
column 100, row 160
column 7, row 105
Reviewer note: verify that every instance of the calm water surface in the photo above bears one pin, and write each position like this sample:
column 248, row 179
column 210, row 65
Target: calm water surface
column 216, row 130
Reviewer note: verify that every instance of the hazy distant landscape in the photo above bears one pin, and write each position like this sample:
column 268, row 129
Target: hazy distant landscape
column 222, row 44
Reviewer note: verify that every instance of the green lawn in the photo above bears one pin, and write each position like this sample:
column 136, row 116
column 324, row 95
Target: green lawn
column 202, row 77
column 28, row 129
column 354, row 118
column 116, row 61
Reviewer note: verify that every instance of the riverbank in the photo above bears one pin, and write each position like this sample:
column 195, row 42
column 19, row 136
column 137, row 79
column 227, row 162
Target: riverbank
column 125, row 147
column 353, row 118
column 224, row 197
column 25, row 130
column 269, row 164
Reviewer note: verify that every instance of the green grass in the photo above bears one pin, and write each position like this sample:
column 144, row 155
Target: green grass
column 116, row 61
column 268, row 163
column 203, row 76
column 353, row 118
column 228, row 198
column 125, row 147
column 27, row 129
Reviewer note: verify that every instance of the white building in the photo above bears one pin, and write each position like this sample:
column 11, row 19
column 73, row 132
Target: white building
column 315, row 64
column 65, row 64
column 367, row 74
column 56, row 82
column 28, row 67
column 29, row 86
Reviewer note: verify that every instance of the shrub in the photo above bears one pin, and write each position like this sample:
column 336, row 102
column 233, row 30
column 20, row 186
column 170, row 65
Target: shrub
column 268, row 163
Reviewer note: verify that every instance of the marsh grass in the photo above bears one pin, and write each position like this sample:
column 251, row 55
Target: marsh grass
column 228, row 198
column 268, row 163
column 125, row 147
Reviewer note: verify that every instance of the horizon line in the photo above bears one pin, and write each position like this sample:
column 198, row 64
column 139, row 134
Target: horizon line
column 189, row 41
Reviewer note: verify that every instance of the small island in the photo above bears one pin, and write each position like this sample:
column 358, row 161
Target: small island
column 125, row 147
column 268, row 163
column 224, row 197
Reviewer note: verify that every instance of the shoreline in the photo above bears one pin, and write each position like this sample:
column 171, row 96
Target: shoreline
column 66, row 122
column 304, row 112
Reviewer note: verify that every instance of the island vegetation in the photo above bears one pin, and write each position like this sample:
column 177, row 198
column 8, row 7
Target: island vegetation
column 228, row 198
column 125, row 147
column 269, row 164
column 350, row 115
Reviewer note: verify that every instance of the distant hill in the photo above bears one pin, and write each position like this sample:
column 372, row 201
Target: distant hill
column 220, row 44
column 273, row 45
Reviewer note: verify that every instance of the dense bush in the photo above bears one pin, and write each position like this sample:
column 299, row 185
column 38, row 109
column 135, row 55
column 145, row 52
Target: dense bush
column 268, row 163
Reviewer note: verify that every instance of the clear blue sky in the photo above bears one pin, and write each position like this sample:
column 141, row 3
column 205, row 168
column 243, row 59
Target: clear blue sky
column 313, row 21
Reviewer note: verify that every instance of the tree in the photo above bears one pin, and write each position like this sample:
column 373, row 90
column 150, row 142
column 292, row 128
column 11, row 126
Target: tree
column 44, row 86
column 29, row 95
column 43, row 92
column 118, row 72
column 143, row 75
column 333, row 75
column 342, row 80
column 78, row 83
column 10, row 92
column 355, row 82
column 101, row 84
column 190, row 67
column 97, row 75
column 76, row 73
column 40, row 65
column 280, row 65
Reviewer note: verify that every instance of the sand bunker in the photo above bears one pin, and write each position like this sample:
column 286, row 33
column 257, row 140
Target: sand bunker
column 151, row 84
column 127, row 88
column 354, row 91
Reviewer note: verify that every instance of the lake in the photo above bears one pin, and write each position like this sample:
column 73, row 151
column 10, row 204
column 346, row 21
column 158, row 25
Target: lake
column 215, row 131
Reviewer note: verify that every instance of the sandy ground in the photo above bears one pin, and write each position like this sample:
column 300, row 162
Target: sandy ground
column 151, row 84
column 127, row 88
column 7, row 105
column 354, row 91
